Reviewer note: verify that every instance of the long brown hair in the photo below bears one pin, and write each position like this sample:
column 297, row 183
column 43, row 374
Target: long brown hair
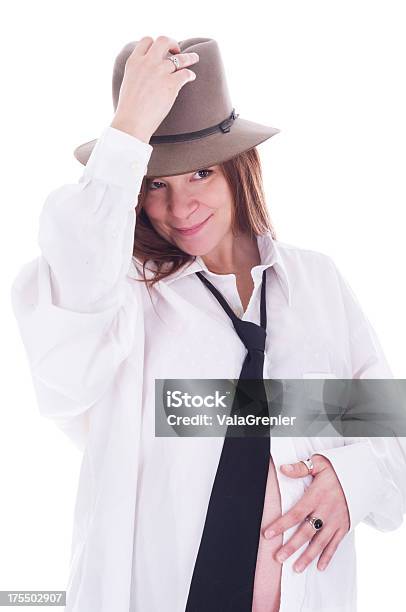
column 244, row 176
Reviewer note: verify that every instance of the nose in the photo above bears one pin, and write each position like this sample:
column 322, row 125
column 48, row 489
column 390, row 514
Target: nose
column 181, row 204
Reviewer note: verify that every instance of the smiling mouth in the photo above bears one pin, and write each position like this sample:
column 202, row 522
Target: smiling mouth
column 192, row 230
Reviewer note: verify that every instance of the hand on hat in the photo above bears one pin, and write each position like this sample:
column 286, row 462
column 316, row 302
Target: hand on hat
column 150, row 85
column 324, row 498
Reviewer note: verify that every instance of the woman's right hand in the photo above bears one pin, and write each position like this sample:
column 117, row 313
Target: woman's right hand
column 150, row 85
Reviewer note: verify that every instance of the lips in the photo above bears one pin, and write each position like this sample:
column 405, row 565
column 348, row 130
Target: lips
column 192, row 230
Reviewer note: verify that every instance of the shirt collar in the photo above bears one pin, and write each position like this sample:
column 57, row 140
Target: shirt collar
column 269, row 254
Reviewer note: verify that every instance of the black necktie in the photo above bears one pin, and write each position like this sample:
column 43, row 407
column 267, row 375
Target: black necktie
column 223, row 576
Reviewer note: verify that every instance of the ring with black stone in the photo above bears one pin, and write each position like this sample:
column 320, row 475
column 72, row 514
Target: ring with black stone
column 315, row 522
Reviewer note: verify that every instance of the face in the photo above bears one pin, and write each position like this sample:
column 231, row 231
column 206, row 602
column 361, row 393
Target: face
column 193, row 211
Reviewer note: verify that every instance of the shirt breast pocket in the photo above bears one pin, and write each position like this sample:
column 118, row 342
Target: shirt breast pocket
column 322, row 358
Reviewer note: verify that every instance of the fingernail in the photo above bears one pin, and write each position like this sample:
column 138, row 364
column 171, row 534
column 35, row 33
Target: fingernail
column 322, row 567
column 269, row 534
column 288, row 467
column 298, row 568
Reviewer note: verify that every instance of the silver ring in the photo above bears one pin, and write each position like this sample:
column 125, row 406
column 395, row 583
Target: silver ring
column 309, row 464
column 315, row 522
column 174, row 60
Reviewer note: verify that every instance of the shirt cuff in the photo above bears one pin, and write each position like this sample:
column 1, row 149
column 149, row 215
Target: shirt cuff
column 119, row 159
column 361, row 479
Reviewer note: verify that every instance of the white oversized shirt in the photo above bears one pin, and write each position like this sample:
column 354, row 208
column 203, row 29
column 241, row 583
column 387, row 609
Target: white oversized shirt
column 96, row 342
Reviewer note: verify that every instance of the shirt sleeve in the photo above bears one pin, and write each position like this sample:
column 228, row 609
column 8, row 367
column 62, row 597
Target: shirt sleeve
column 371, row 471
column 75, row 307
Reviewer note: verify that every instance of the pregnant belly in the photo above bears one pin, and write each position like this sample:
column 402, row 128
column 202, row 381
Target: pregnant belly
column 267, row 583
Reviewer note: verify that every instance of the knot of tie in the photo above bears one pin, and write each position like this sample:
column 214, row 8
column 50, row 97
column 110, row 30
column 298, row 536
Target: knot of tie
column 252, row 335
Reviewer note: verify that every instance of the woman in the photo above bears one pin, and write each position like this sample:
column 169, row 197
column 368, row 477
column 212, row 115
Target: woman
column 117, row 301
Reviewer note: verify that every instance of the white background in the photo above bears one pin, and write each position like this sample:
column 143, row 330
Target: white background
column 329, row 75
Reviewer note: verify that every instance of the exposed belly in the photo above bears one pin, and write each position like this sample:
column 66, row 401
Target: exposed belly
column 268, row 571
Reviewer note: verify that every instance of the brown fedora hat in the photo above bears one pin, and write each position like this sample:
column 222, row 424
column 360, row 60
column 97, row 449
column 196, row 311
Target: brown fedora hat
column 202, row 128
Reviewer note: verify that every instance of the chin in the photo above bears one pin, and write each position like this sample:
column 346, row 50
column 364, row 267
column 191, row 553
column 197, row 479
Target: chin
column 192, row 250
column 198, row 248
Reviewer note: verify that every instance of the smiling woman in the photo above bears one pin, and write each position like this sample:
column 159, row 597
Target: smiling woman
column 182, row 230
column 228, row 198
column 173, row 524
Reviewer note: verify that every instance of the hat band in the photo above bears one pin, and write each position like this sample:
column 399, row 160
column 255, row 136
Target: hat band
column 224, row 126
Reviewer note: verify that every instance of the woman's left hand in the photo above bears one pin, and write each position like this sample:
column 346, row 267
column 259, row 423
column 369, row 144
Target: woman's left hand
column 325, row 499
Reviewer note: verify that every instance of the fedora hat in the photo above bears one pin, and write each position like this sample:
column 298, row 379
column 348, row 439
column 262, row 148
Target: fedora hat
column 202, row 128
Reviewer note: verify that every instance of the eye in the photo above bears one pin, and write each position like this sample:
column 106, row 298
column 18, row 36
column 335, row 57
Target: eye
column 152, row 183
column 204, row 170
column 152, row 186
